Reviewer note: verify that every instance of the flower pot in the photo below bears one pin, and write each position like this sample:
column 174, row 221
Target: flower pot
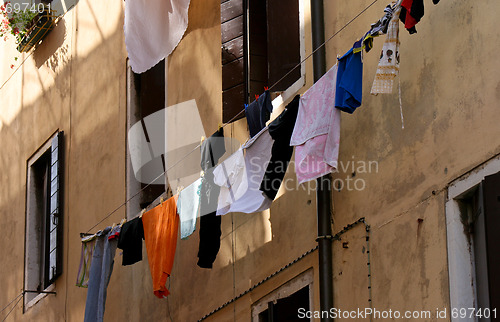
column 42, row 24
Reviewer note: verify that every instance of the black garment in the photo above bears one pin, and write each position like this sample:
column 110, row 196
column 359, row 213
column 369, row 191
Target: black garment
column 210, row 231
column 416, row 11
column 281, row 131
column 130, row 240
column 212, row 149
column 258, row 113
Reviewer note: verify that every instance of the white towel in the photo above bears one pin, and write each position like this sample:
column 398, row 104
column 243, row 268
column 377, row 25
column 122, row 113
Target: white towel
column 153, row 28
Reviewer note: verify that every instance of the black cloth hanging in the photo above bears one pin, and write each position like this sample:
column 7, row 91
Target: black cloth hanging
column 210, row 224
column 281, row 131
column 130, row 241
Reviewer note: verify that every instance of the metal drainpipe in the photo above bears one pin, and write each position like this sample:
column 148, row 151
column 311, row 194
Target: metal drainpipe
column 323, row 191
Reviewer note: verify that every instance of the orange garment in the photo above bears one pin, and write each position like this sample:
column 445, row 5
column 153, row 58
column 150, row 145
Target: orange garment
column 160, row 234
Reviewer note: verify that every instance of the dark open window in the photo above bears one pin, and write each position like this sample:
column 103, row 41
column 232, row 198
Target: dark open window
column 285, row 309
column 145, row 97
column 44, row 214
column 260, row 44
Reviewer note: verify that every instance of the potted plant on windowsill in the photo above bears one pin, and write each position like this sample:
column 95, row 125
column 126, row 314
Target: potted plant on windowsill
column 28, row 24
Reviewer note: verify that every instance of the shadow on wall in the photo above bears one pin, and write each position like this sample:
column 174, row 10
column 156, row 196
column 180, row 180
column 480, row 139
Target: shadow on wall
column 27, row 131
column 48, row 52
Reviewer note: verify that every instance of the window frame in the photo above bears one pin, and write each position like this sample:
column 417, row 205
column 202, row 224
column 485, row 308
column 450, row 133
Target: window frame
column 305, row 279
column 461, row 261
column 32, row 246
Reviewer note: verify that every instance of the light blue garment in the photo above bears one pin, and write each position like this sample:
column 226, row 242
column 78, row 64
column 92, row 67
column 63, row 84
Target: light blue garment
column 100, row 272
column 188, row 208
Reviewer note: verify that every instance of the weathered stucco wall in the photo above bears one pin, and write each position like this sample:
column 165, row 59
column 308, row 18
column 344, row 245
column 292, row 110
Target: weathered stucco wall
column 76, row 82
column 449, row 89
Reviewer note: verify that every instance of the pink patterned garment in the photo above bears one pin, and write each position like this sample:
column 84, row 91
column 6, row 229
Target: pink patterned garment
column 316, row 134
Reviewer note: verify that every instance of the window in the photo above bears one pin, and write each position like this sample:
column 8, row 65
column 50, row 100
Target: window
column 44, row 214
column 262, row 40
column 145, row 137
column 473, row 222
column 285, row 303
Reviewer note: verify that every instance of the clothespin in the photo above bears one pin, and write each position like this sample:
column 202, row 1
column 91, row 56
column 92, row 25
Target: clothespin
column 202, row 139
column 142, row 213
column 179, row 189
column 266, row 88
column 219, row 126
column 113, row 226
column 202, row 173
column 256, row 97
column 161, row 200
column 246, row 106
column 124, row 220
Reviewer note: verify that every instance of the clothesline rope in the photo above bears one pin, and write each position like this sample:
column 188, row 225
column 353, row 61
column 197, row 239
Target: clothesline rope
column 12, row 309
column 11, row 302
column 236, row 116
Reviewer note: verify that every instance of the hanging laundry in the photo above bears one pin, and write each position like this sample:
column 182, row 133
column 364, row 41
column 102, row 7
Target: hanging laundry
column 388, row 66
column 188, row 207
column 88, row 244
column 411, row 13
column 316, row 134
column 160, row 234
column 130, row 241
column 100, row 273
column 210, row 225
column 281, row 131
column 349, row 84
column 258, row 113
column 229, row 175
column 153, row 28
column 380, row 27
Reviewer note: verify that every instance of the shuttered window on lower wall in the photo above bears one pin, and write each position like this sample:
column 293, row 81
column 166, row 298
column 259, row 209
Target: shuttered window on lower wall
column 44, row 217
column 260, row 44
column 488, row 230
column 481, row 208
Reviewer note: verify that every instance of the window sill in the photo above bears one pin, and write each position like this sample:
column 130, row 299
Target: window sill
column 39, row 297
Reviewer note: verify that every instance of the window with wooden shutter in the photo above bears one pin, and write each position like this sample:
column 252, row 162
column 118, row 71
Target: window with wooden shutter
column 55, row 214
column 260, row 44
column 44, row 218
column 234, row 61
column 480, row 213
column 491, row 199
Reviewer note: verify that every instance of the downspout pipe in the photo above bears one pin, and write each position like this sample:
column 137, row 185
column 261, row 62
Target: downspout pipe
column 323, row 191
